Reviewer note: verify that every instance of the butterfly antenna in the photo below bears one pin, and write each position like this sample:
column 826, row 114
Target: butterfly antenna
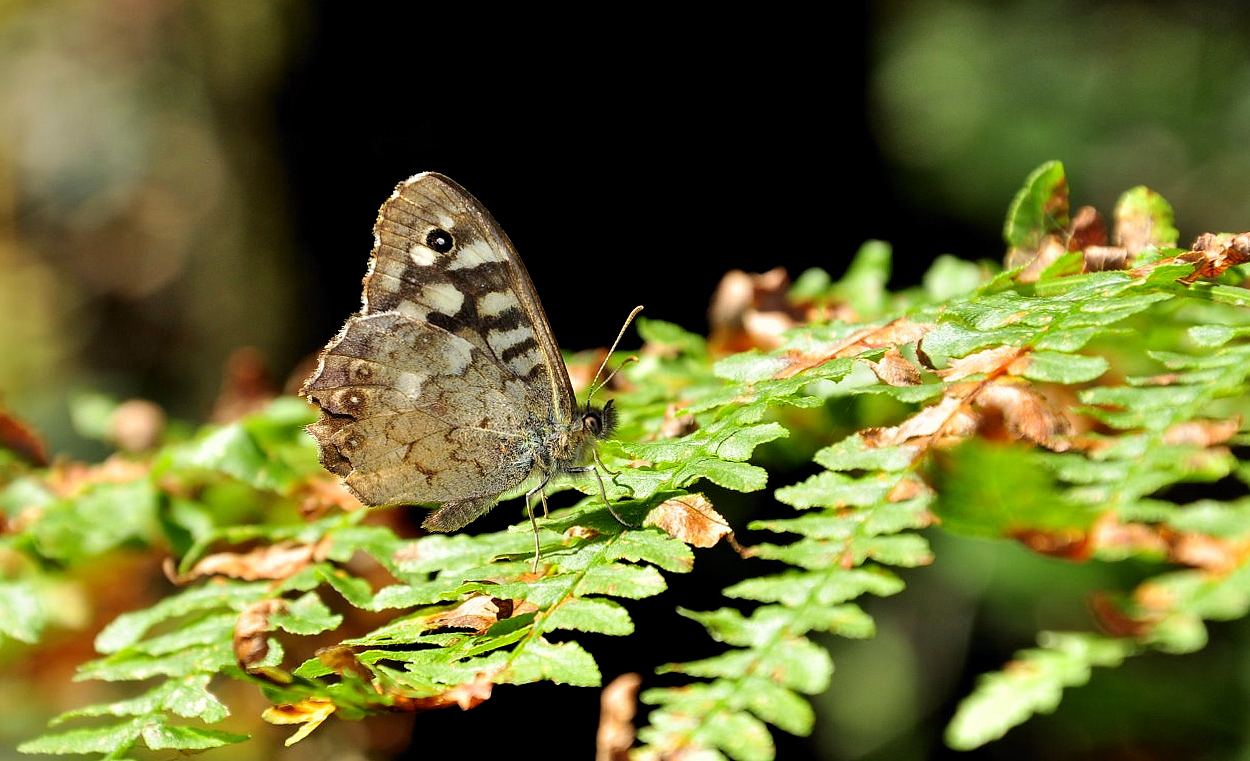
column 595, row 388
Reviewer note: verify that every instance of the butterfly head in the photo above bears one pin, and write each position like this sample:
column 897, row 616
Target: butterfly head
column 599, row 423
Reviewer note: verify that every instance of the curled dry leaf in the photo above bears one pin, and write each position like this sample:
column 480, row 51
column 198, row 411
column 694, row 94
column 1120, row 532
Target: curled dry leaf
column 889, row 336
column 342, row 660
column 990, row 362
column 1210, row 553
column 250, row 643
column 1216, row 253
column 477, row 613
column 277, row 561
column 1212, row 254
column 691, row 519
column 583, row 367
column 1086, row 230
column 18, row 437
column 946, row 422
column 1191, row 549
column 618, row 703
column 69, row 478
column 323, row 493
column 750, row 311
column 310, row 712
column 1114, row 620
column 581, row 532
column 1035, row 262
column 1104, row 258
column 675, row 423
column 1202, row 433
column 1136, row 227
column 895, row 370
column 1066, row 543
column 910, row 488
column 1025, row 414
column 465, row 695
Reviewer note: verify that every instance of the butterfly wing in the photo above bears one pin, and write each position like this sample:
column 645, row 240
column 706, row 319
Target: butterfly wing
column 479, row 290
column 446, row 386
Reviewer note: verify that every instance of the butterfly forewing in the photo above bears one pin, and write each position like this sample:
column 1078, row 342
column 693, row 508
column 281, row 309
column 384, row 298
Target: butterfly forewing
column 478, row 290
column 448, row 385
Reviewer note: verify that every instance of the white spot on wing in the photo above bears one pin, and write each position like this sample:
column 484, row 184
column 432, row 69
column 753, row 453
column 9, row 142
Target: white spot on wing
column 409, row 384
column 458, row 358
column 443, row 298
column 495, row 303
column 501, row 340
column 522, row 364
column 473, row 253
column 415, row 311
column 421, row 255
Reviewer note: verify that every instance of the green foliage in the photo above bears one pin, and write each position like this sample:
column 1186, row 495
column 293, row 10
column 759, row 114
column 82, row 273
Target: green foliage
column 1060, row 404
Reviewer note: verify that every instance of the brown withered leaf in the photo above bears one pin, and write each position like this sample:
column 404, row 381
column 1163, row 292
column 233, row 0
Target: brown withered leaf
column 1211, row 253
column 1035, row 262
column 477, row 613
column 990, row 362
column 1183, row 548
column 581, row 532
column 465, row 695
column 1025, row 413
column 250, row 643
column 582, row 371
column 891, row 335
column 323, row 493
column 1114, row 620
column 1086, row 229
column 1104, row 258
column 676, row 423
column 17, row 436
column 68, row 478
column 309, row 712
column 1202, row 433
column 618, row 703
column 750, row 311
column 909, row 488
column 342, row 660
column 1210, row 553
column 1066, row 543
column 276, row 561
column 895, row 370
column 946, row 422
column 691, row 519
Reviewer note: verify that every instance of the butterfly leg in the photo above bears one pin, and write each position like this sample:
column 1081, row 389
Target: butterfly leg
column 603, row 492
column 529, row 509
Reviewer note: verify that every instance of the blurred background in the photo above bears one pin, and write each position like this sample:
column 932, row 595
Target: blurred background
column 181, row 179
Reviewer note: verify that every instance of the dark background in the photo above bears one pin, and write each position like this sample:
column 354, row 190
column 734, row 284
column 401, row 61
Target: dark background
column 632, row 159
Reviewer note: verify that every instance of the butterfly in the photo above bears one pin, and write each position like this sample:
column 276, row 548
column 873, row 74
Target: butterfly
column 447, row 386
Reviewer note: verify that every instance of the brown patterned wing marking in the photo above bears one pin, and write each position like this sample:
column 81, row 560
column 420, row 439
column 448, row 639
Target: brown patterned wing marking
column 440, row 430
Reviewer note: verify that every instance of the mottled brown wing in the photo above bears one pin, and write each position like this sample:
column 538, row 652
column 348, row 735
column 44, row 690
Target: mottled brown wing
column 447, row 384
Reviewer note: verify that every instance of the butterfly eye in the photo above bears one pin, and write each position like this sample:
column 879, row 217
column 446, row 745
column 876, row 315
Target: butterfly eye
column 593, row 422
column 440, row 240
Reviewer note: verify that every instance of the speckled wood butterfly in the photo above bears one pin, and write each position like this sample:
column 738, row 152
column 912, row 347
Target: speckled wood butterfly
column 448, row 387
